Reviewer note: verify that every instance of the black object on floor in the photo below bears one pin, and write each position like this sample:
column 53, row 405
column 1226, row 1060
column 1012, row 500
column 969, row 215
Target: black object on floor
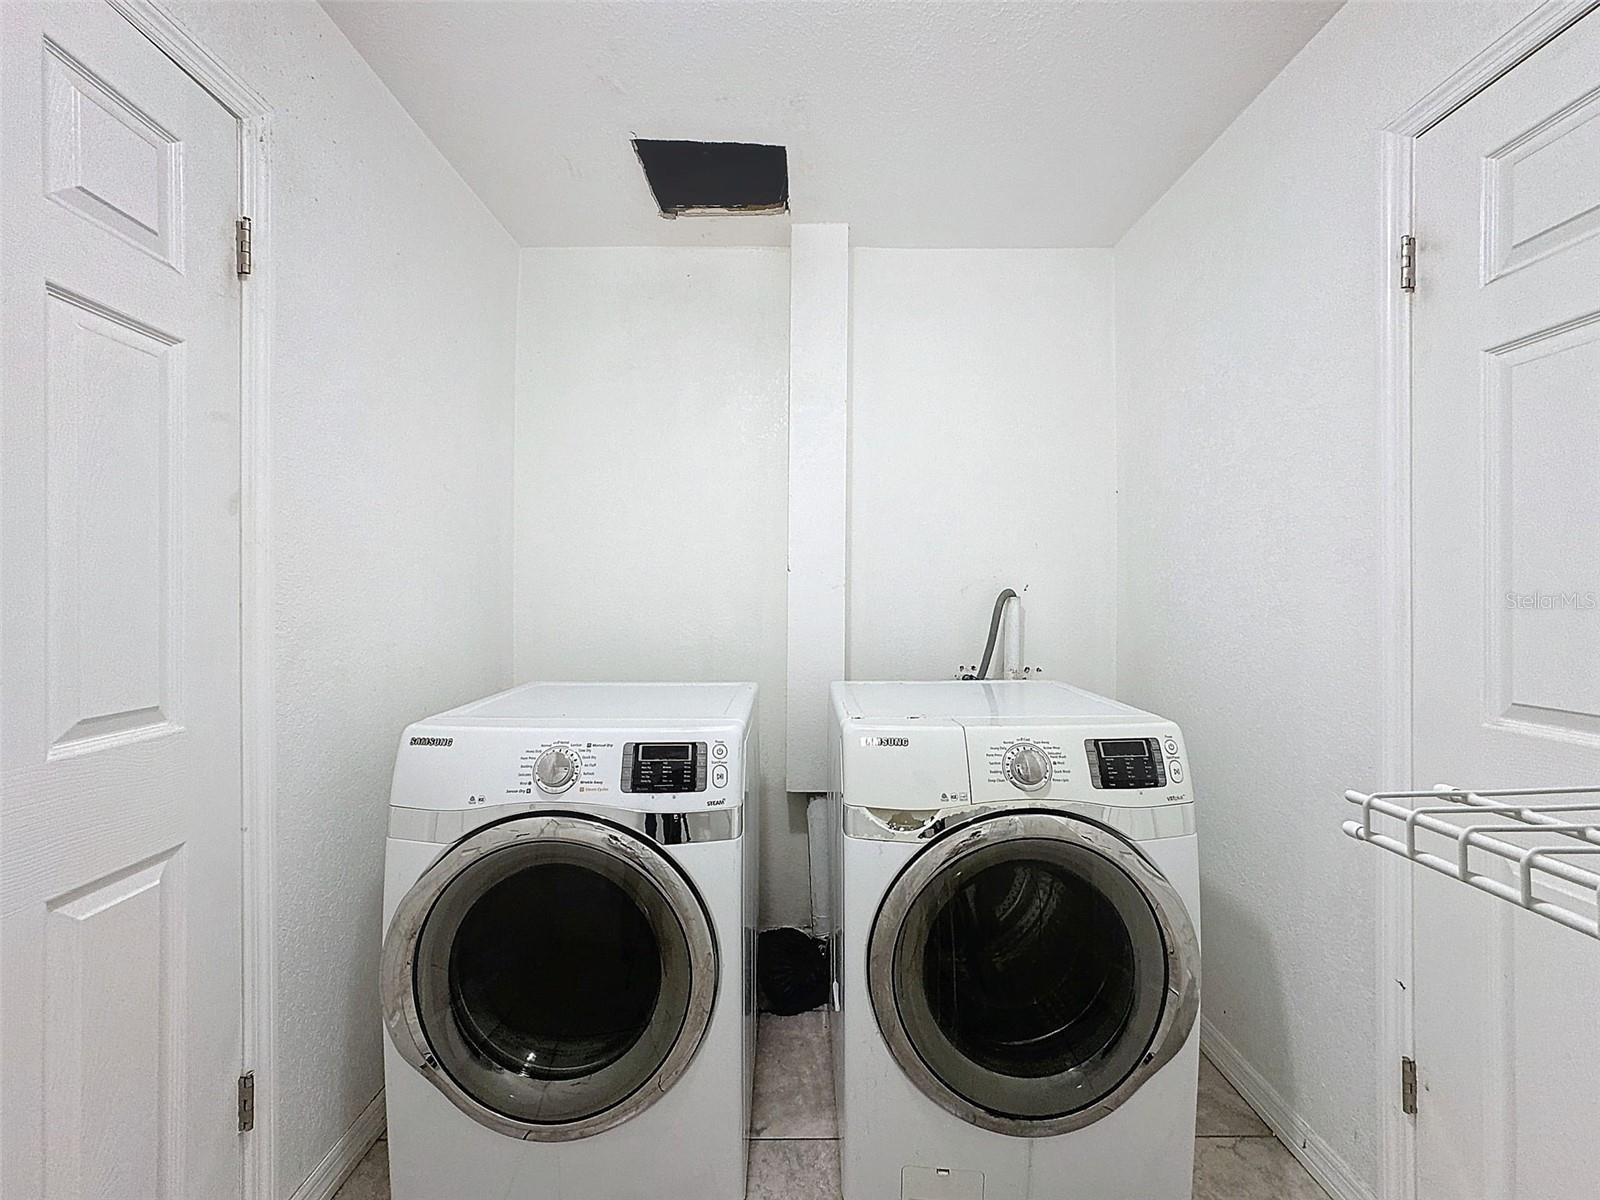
column 792, row 971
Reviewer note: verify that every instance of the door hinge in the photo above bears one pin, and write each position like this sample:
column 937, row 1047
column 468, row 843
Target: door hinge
column 247, row 1102
column 241, row 246
column 1408, row 263
column 1408, row 1086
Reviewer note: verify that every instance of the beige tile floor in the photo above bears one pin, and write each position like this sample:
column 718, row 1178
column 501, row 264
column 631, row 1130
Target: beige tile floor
column 795, row 1155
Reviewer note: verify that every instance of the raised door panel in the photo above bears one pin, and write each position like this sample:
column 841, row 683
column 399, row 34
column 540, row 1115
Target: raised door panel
column 1540, row 190
column 114, row 1036
column 109, row 161
column 1542, row 502
column 114, row 390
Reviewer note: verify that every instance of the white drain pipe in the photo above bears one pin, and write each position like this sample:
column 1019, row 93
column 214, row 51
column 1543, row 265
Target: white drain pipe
column 1011, row 649
column 818, row 807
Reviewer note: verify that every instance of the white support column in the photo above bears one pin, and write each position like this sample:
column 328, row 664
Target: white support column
column 819, row 391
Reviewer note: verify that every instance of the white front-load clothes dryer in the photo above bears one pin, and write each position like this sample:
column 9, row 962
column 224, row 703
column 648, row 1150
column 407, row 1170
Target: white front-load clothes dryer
column 568, row 964
column 1016, row 963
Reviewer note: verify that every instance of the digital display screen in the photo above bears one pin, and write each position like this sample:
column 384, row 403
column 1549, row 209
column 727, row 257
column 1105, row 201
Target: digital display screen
column 659, row 768
column 1124, row 749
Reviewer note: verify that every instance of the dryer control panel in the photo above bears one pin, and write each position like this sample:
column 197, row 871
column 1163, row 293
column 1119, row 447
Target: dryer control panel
column 664, row 767
column 674, row 767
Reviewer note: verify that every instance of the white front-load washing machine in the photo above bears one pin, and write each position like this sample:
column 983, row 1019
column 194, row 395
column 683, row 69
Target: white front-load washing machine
column 568, row 964
column 1017, row 961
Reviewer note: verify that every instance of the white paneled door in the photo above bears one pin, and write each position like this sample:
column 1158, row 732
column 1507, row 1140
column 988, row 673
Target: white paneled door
column 1506, row 476
column 120, row 844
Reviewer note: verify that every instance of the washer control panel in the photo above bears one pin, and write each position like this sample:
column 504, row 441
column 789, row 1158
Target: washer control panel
column 1128, row 762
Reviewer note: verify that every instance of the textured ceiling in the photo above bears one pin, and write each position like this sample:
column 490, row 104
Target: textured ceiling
column 918, row 124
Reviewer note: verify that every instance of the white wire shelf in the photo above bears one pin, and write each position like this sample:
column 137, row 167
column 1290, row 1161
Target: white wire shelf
column 1524, row 836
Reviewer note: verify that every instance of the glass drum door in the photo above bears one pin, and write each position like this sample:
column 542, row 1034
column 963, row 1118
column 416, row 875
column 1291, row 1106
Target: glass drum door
column 1030, row 969
column 552, row 975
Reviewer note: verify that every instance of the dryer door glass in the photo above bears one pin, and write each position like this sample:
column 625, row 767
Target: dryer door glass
column 555, row 971
column 1029, row 973
column 562, row 969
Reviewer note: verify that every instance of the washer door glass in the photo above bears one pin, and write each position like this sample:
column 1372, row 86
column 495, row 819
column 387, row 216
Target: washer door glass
column 559, row 973
column 1029, row 971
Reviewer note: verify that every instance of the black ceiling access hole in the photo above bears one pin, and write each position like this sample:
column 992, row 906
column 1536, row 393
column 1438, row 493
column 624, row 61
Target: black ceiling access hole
column 715, row 177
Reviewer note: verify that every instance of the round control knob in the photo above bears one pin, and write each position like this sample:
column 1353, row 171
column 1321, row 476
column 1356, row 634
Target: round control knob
column 1028, row 767
column 556, row 770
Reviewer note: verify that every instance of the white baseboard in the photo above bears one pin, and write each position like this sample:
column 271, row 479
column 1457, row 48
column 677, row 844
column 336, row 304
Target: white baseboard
column 346, row 1154
column 1314, row 1153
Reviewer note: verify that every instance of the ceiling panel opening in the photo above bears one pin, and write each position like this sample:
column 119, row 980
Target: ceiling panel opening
column 694, row 178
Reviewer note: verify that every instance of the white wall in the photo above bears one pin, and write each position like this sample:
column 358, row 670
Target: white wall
column 983, row 455
column 1247, row 359
column 392, row 355
column 651, row 474
column 652, row 418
